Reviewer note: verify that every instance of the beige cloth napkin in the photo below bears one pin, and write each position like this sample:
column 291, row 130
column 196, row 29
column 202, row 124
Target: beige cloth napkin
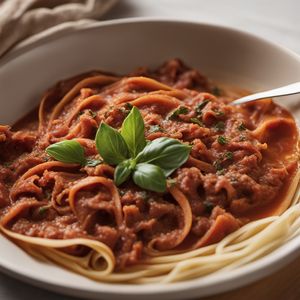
column 20, row 19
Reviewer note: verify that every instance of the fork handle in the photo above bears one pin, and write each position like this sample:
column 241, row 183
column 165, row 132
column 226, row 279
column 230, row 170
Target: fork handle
column 290, row 89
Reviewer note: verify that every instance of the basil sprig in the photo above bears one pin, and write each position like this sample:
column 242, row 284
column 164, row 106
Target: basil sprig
column 148, row 163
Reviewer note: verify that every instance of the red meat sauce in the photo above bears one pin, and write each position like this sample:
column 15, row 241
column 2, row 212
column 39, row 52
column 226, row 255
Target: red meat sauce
column 240, row 169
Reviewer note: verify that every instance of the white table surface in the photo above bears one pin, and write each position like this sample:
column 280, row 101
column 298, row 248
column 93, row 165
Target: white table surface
column 276, row 20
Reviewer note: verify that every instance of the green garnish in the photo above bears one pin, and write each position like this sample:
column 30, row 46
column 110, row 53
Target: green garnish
column 172, row 181
column 228, row 155
column 155, row 128
column 220, row 126
column 93, row 162
column 148, row 163
column 128, row 106
column 149, row 177
column 222, row 140
column 123, row 171
column 219, row 113
column 201, row 105
column 111, row 145
column 218, row 165
column 69, row 151
column 42, row 210
column 181, row 110
column 242, row 138
column 167, row 153
column 221, row 172
column 196, row 121
column 92, row 113
column 241, row 127
column 132, row 132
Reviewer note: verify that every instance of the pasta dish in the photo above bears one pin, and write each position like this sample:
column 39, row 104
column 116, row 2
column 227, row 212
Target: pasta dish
column 148, row 177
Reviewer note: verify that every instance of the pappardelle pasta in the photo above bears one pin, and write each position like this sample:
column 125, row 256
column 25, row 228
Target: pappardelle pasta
column 149, row 177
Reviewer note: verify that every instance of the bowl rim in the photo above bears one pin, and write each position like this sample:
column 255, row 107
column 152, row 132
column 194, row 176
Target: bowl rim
column 31, row 42
column 237, row 277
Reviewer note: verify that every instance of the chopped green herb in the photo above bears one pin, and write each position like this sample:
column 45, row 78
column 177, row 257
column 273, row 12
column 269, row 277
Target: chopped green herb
column 216, row 91
column 208, row 206
column 172, row 181
column 218, row 165
column 219, row 113
column 242, row 138
column 42, row 210
column 181, row 110
column 196, row 121
column 93, row 162
column 228, row 155
column 221, row 172
column 155, row 128
column 201, row 105
column 220, row 126
column 222, row 140
column 126, row 108
column 81, row 113
column 241, row 127
column 92, row 113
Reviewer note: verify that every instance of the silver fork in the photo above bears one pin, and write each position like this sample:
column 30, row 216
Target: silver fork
column 290, row 89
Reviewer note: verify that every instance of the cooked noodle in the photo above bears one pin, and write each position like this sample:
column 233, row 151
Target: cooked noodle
column 109, row 233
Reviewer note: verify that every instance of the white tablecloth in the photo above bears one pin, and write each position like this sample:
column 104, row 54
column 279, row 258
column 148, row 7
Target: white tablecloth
column 276, row 20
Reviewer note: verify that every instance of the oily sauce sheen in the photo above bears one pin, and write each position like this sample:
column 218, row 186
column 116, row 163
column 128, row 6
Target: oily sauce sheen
column 240, row 168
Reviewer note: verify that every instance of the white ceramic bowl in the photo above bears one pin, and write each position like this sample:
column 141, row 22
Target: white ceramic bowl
column 224, row 54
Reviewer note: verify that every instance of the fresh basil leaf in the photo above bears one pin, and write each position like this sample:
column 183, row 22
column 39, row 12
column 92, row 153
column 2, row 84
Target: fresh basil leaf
column 111, row 145
column 123, row 171
column 150, row 177
column 167, row 153
column 69, row 151
column 133, row 132
column 93, row 162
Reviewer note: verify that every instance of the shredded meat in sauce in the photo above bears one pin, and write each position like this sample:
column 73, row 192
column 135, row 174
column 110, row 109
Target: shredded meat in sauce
column 241, row 163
